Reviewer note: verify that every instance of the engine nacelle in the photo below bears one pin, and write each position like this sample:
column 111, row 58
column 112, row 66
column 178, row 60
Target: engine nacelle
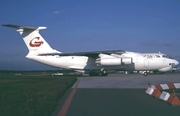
column 108, row 61
column 113, row 61
column 127, row 60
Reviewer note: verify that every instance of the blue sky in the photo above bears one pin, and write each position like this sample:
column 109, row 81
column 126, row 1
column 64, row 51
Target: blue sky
column 90, row 25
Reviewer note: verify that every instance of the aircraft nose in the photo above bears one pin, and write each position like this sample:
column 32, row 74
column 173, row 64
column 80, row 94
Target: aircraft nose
column 176, row 62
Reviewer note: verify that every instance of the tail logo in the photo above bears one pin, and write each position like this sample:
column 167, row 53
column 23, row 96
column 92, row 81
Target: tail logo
column 36, row 42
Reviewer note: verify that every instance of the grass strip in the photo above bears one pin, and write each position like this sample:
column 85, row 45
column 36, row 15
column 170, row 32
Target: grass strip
column 32, row 96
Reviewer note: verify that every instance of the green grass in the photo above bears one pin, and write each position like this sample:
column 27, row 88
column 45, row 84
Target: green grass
column 32, row 96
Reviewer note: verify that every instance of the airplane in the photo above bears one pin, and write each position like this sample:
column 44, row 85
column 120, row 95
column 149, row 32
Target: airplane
column 94, row 63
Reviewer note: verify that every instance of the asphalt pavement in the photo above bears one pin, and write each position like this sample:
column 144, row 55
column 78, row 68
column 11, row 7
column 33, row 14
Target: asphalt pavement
column 118, row 94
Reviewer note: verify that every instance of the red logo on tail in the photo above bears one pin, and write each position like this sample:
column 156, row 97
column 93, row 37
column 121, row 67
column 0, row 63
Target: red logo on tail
column 35, row 42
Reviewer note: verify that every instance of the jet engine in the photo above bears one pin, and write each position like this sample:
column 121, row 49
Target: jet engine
column 113, row 61
column 127, row 60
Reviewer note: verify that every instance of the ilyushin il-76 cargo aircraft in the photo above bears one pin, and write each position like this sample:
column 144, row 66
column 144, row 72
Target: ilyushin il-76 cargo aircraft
column 93, row 63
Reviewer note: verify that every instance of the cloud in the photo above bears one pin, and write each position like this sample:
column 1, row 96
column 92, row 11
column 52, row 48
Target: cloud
column 56, row 12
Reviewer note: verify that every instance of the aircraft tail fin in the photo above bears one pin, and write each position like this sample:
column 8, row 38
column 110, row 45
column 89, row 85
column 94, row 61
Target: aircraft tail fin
column 33, row 40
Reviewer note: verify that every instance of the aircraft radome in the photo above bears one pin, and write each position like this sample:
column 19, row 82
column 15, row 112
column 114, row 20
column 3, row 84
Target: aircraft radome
column 92, row 63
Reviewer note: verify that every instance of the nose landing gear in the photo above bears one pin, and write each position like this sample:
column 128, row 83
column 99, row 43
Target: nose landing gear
column 145, row 73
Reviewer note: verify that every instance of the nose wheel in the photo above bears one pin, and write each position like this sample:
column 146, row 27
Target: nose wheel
column 145, row 73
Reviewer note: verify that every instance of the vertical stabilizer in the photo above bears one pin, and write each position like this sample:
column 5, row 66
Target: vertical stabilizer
column 33, row 40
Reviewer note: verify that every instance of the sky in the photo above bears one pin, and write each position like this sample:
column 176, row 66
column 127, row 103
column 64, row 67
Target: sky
column 90, row 25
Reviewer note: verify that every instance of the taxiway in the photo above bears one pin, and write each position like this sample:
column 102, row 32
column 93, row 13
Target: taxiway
column 118, row 94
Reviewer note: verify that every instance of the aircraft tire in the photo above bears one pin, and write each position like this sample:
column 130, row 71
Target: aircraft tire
column 145, row 73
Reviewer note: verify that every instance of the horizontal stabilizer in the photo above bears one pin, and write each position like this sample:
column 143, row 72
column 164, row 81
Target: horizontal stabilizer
column 23, row 27
column 19, row 27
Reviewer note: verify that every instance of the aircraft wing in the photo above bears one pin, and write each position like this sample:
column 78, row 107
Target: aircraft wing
column 92, row 54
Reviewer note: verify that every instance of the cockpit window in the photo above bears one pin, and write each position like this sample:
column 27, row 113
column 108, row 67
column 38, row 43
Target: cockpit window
column 166, row 56
column 157, row 56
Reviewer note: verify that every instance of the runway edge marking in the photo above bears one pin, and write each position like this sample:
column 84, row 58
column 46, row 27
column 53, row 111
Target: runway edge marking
column 66, row 105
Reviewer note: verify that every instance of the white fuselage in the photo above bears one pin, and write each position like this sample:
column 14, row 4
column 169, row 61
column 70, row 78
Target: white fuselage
column 84, row 64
